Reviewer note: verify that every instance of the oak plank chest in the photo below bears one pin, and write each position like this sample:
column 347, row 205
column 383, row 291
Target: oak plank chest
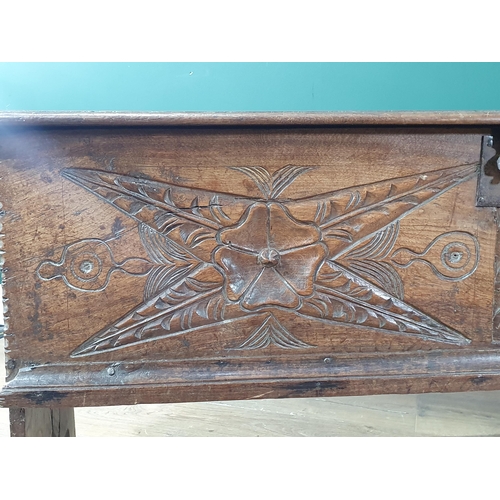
column 155, row 258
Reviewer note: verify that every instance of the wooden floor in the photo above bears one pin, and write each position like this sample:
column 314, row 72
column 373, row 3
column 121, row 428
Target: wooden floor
column 467, row 414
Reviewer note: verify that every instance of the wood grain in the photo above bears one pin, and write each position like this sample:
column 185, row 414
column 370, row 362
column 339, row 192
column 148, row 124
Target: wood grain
column 42, row 422
column 96, row 119
column 195, row 263
column 454, row 414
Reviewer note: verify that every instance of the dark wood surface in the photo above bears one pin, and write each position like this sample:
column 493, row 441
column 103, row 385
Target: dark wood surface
column 452, row 414
column 197, row 263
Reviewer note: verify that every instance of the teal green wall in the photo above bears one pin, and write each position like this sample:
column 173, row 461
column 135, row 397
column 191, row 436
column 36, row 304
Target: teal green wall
column 249, row 86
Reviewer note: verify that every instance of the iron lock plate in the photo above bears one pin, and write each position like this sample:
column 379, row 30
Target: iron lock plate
column 488, row 186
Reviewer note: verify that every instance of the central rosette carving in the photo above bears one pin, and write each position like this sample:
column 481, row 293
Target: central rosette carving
column 269, row 258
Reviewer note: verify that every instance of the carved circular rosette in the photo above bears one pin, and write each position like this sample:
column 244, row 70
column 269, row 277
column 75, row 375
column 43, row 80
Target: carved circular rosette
column 452, row 256
column 85, row 265
column 269, row 259
column 456, row 256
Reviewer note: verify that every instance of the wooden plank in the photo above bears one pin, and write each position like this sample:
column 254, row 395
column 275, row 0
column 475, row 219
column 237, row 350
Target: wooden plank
column 250, row 389
column 42, row 422
column 379, row 119
column 459, row 414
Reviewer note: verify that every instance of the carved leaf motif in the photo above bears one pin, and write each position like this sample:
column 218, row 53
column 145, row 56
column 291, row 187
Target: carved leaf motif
column 189, row 216
column 162, row 278
column 192, row 235
column 341, row 234
column 189, row 288
column 271, row 186
column 174, row 262
column 150, row 195
column 217, row 211
column 341, row 309
column 283, row 177
column 345, row 298
column 260, row 176
column 377, row 247
column 381, row 274
column 364, row 259
column 354, row 201
column 188, row 303
column 213, row 309
column 163, row 250
column 272, row 332
column 186, row 315
column 350, row 215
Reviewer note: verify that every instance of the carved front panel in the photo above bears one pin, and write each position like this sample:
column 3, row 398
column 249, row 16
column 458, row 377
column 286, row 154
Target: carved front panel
column 185, row 246
column 215, row 258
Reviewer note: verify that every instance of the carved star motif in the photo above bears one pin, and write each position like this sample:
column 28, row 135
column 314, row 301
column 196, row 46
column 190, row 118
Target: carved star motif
column 221, row 257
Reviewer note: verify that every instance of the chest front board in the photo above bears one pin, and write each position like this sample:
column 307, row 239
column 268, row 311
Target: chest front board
column 179, row 264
